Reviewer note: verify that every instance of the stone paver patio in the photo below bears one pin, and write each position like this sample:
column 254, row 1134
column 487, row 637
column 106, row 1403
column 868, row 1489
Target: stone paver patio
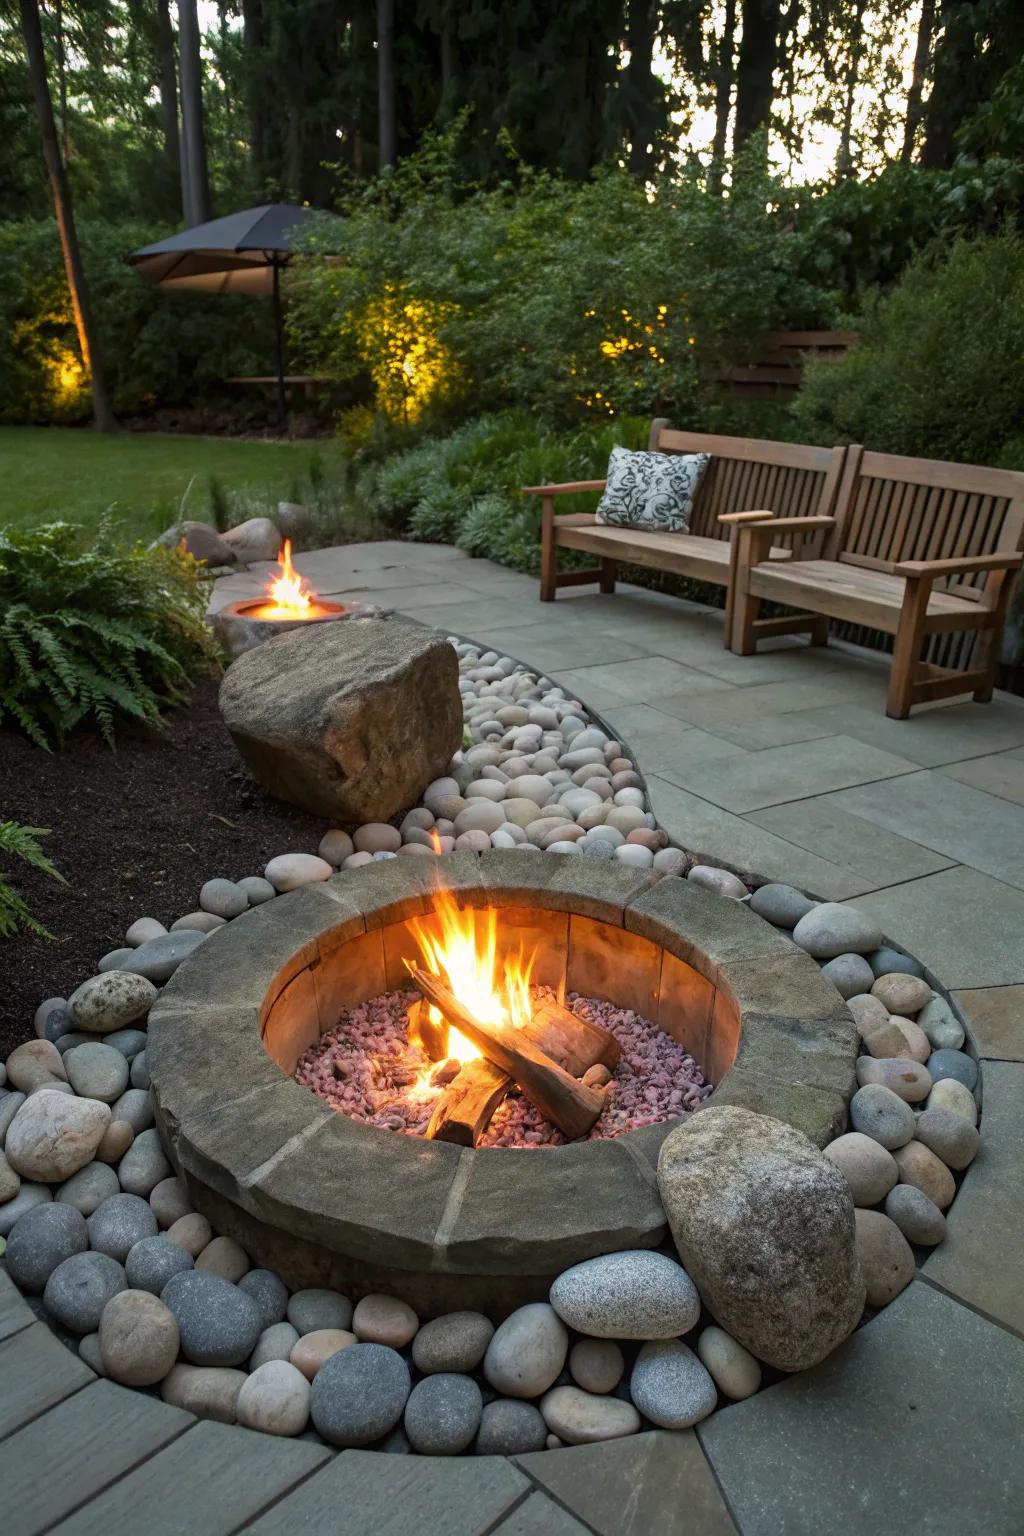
column 782, row 764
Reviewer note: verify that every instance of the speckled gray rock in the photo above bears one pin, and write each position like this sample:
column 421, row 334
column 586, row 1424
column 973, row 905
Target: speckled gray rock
column 869, row 1169
column 111, row 1001
column 135, row 1107
column 443, row 1414
column 223, row 898
column 454, row 1342
column 274, row 1343
column 119, row 1223
column 218, row 1323
column 949, row 1135
column 955, row 1064
column 634, row 1294
column 510, row 1427
column 581, row 1418
column 43, row 1238
column 89, row 1351
column 269, row 1292
column 313, row 1309
column 763, row 1223
column 360, row 1394
column 152, row 1261
column 56, row 1022
column 159, row 958
column 80, row 1288
column 144, row 1165
column 941, row 1025
column 832, row 929
column 849, row 974
column 881, row 1114
column 53, row 1135
column 884, row 961
column 886, row 1259
column 97, row 1071
column 918, row 1218
column 782, row 905
column 27, row 1198
column 527, row 1352
column 670, row 1386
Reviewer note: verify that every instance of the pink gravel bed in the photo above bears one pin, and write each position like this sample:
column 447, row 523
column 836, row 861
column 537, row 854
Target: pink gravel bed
column 367, row 1067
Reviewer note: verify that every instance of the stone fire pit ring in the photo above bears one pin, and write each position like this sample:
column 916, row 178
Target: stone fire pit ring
column 325, row 1200
column 240, row 627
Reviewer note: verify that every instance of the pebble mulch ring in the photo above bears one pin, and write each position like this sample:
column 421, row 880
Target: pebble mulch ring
column 103, row 1240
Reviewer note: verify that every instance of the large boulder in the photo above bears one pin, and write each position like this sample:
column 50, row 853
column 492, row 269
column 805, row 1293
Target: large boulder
column 348, row 721
column 255, row 539
column 200, row 540
column 764, row 1224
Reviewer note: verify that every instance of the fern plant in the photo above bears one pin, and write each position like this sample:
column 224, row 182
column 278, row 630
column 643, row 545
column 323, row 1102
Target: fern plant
column 22, row 843
column 94, row 635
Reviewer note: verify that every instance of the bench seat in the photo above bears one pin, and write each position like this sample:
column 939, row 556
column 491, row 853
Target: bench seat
column 681, row 554
column 860, row 595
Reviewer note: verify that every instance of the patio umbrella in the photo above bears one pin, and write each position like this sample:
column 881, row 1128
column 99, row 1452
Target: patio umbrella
column 241, row 253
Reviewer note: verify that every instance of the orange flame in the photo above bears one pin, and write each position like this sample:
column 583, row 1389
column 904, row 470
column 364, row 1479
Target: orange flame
column 289, row 596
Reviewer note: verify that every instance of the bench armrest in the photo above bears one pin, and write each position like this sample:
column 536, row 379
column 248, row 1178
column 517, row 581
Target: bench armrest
column 744, row 517
column 562, row 490
column 1010, row 560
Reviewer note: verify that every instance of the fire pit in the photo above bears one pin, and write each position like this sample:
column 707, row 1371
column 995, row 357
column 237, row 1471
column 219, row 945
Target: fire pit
column 326, row 1199
column 287, row 604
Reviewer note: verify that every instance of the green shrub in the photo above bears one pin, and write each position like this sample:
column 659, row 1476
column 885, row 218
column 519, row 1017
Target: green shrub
column 22, row 843
column 93, row 635
column 940, row 372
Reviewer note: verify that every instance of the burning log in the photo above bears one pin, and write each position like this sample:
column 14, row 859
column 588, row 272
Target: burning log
column 462, row 1112
column 564, row 1100
column 576, row 1044
column 431, row 1035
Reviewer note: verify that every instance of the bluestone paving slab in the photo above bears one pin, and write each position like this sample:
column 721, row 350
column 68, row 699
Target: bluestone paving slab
column 476, row 618
column 78, row 1449
column 879, row 857
column 211, row 1480
column 362, row 1493
column 756, row 699
column 947, row 733
column 966, row 927
column 711, row 833
column 1001, row 774
column 953, row 819
column 996, row 1019
column 36, row 1371
column 661, row 743
column 636, row 682
column 982, row 1258
column 540, row 1516
column 544, row 648
column 654, row 1484
column 753, row 780
column 912, row 1425
column 15, row 1313
column 754, row 732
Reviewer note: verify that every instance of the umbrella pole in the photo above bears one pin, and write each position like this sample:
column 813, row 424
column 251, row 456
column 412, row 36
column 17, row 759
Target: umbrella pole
column 282, row 410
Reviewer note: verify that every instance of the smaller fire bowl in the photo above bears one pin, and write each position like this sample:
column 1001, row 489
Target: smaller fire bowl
column 242, row 626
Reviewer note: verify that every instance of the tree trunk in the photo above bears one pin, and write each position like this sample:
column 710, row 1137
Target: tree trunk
column 844, row 155
column 922, row 54
column 640, row 32
column 168, row 85
column 195, row 179
column 755, row 72
column 78, row 287
column 387, row 137
column 725, row 74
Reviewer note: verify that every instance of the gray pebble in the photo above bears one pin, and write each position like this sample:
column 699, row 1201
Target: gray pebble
column 941, row 1025
column 114, row 959
column 71, row 1040
column 128, row 1041
column 142, row 930
column 313, row 1309
column 198, row 922
column 955, row 1064
column 218, row 1323
column 27, row 1198
column 223, row 898
column 359, row 1394
column 670, row 1386
column 50, row 1006
column 80, row 1288
column 135, row 1107
column 117, row 1224
column 950, row 1136
column 877, row 1112
column 97, row 1071
column 140, row 1071
column 269, row 1292
column 56, row 1022
column 274, row 1343
column 152, row 1261
column 89, row 1187
column 144, row 1164
column 917, row 1217
column 782, row 905
column 89, row 1351
column 510, row 1427
column 849, row 974
column 158, row 959
column 884, row 961
column 455, row 1342
column 395, row 1444
column 10, row 1103
column 43, row 1238
column 257, row 889
column 443, row 1414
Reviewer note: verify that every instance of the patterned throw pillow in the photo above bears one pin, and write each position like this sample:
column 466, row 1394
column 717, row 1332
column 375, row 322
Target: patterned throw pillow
column 651, row 490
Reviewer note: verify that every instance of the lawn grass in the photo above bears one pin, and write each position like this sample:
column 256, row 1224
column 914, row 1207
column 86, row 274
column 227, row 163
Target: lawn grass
column 76, row 475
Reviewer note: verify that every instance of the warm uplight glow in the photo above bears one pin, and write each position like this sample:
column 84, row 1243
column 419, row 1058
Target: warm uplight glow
column 288, row 594
column 462, row 948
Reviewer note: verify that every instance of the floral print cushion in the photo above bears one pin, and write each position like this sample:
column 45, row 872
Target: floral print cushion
column 651, row 490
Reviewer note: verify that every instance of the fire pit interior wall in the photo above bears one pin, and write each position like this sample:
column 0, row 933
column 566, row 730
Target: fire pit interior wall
column 325, row 1199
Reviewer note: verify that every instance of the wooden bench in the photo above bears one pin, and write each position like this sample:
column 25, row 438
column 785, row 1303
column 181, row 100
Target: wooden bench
column 743, row 479
column 915, row 548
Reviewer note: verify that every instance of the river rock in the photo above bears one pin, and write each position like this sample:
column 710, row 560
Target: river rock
column 917, row 1217
column 10, row 1103
column 455, row 1342
column 905, row 995
column 917, row 1046
column 351, row 721
column 443, row 1414
column 955, row 1064
column 527, row 1352
column 36, row 1064
column 142, row 930
column 111, row 1001
column 224, row 1257
column 10, row 1182
column 763, row 1223
column 202, row 922
column 40, row 1240
column 886, row 1258
column 152, row 1261
column 128, row 1041
column 193, row 1232
column 384, row 1320
column 257, row 889
column 950, row 1094
column 868, row 1168
column 158, row 959
column 510, row 1427
column 210, row 1392
column 268, row 1291
column 707, row 875
column 733, row 1369
column 881, row 1114
column 950, row 1136
column 635, row 1294
column 832, row 929
column 27, row 1198
column 596, row 1365
column 360, row 1394
column 670, row 1386
column 144, row 1165
column 53, row 1135
column 274, row 1399
column 135, row 1107
column 80, row 1288
column 119, row 1223
column 97, row 1071
column 200, row 540
column 849, row 974
column 885, row 961
column 941, row 1025
column 289, row 871
column 170, row 1200
column 274, row 1343
column 312, row 1309
column 313, row 1350
column 138, row 1339
column 782, row 905
column 219, row 1324
column 928, row 1173
column 907, row 1079
column 581, row 1418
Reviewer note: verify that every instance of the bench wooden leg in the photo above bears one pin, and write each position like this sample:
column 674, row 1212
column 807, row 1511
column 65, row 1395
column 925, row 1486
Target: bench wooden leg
column 743, row 640
column 608, row 570
column 548, row 551
column 990, row 640
column 819, row 630
column 907, row 650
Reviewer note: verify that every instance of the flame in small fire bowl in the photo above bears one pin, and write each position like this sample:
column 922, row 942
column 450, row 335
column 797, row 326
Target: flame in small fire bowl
column 288, row 596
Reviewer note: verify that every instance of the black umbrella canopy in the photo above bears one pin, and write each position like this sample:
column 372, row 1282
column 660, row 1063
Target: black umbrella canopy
column 237, row 254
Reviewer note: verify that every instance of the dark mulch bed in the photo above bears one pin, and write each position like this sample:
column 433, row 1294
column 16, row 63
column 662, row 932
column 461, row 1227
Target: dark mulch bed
column 135, row 833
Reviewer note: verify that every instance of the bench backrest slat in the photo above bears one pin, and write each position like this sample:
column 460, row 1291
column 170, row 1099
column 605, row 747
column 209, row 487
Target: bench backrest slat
column 747, row 474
